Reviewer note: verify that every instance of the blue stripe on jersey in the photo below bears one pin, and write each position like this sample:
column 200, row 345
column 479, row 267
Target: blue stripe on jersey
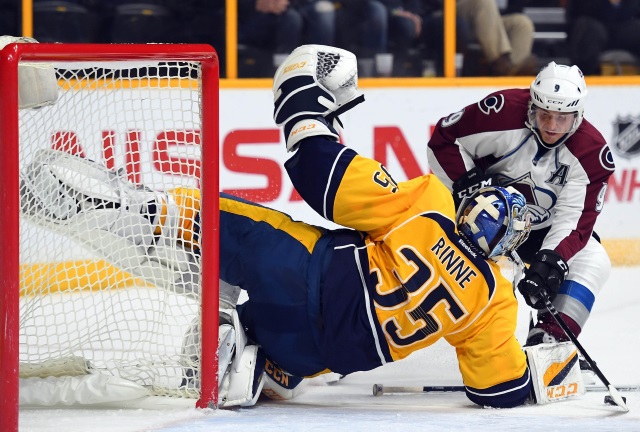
column 579, row 292
column 449, row 228
column 328, row 160
column 506, row 395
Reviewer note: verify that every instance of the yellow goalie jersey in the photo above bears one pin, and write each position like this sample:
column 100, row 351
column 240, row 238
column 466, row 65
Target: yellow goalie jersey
column 424, row 280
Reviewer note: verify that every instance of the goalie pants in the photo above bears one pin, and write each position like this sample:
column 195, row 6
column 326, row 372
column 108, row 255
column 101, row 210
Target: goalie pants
column 306, row 306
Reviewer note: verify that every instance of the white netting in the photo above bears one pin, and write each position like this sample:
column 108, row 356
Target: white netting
column 143, row 119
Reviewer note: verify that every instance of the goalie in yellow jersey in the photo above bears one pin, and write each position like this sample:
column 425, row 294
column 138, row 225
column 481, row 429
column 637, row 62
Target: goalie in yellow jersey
column 403, row 273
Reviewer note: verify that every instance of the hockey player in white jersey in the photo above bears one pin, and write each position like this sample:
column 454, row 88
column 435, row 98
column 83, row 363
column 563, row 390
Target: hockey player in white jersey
column 537, row 141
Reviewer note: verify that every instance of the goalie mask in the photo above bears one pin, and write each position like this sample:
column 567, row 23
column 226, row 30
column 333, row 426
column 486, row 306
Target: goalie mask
column 556, row 106
column 494, row 220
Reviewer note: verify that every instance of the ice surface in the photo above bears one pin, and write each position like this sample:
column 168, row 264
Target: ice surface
column 611, row 337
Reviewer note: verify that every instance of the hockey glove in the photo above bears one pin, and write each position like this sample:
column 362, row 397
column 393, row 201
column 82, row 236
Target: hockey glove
column 314, row 81
column 469, row 183
column 544, row 276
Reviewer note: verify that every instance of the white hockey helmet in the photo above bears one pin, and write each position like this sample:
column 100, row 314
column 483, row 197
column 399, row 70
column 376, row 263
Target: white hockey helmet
column 558, row 88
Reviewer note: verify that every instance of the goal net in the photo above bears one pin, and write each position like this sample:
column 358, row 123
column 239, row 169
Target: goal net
column 71, row 306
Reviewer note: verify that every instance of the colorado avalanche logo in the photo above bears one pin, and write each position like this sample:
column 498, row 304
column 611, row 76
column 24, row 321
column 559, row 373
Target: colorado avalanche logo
column 626, row 137
column 606, row 158
column 492, row 103
column 539, row 199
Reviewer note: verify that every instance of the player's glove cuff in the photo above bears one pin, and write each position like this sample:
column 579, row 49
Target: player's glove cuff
column 317, row 126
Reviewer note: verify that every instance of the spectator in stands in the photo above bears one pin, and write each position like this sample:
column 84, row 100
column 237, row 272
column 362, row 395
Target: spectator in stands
column 278, row 26
column 362, row 29
column 319, row 21
column 599, row 25
column 270, row 25
column 506, row 40
column 420, row 24
column 204, row 21
column 151, row 21
column 9, row 17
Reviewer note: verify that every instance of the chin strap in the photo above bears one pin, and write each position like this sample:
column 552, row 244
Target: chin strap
column 542, row 143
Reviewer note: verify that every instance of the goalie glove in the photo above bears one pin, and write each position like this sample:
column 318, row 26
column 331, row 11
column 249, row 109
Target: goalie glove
column 545, row 275
column 314, row 81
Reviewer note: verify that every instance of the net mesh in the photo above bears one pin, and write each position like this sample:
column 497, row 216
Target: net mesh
column 79, row 313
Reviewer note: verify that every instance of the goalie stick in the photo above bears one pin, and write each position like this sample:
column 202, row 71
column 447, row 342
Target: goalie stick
column 380, row 389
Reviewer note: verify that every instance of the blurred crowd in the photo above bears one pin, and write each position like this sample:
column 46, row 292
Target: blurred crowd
column 400, row 38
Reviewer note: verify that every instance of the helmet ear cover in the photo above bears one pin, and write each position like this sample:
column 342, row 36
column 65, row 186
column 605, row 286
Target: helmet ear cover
column 494, row 221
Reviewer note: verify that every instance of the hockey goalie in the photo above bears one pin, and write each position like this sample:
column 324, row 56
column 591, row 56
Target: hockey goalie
column 405, row 272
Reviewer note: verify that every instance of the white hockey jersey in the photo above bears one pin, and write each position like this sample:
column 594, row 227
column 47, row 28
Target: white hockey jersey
column 565, row 187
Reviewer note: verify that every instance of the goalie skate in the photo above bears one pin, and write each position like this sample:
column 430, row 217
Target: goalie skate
column 133, row 228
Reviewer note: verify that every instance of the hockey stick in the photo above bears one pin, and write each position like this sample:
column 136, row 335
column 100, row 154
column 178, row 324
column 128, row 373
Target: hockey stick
column 379, row 389
column 613, row 392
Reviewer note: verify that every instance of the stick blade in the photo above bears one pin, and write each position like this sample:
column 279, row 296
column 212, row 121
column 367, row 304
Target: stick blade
column 617, row 398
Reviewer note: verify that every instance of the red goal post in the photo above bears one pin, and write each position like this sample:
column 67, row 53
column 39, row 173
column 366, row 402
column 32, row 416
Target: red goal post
column 107, row 70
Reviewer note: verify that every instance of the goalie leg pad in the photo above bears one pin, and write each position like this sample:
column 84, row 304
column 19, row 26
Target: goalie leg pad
column 555, row 371
column 58, row 186
column 191, row 351
column 119, row 221
column 240, row 366
column 242, row 385
column 243, row 378
column 78, row 390
column 279, row 385
column 37, row 82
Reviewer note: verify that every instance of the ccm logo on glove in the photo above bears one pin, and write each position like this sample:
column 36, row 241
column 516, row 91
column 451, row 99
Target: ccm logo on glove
column 544, row 276
column 469, row 183
column 294, row 66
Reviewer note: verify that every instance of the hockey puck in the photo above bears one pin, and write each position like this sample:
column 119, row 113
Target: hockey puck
column 377, row 390
column 609, row 400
